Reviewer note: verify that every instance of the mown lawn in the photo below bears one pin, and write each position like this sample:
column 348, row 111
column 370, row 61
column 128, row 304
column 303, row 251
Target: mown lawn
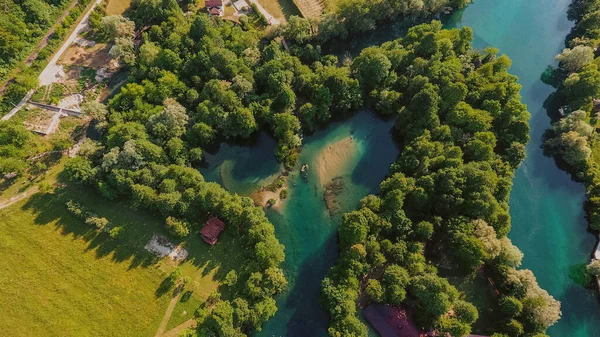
column 280, row 9
column 58, row 277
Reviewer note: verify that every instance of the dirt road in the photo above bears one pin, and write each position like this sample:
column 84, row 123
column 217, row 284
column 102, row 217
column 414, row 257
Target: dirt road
column 170, row 308
column 49, row 74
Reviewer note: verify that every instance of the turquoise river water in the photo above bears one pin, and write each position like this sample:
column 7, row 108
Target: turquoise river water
column 546, row 205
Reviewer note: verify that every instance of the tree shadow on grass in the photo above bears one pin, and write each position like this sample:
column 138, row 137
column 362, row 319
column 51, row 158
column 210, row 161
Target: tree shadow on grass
column 50, row 208
column 138, row 227
column 167, row 284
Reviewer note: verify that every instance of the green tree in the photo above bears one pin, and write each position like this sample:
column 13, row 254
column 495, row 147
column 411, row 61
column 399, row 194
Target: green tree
column 374, row 291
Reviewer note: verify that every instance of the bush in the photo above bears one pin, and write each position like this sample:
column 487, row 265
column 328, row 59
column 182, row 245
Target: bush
column 283, row 194
column 231, row 278
column 178, row 227
column 510, row 306
column 97, row 222
column 594, row 268
column 116, row 232
column 374, row 291
column 74, row 208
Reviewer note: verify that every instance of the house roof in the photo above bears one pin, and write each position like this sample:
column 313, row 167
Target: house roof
column 391, row 321
column 211, row 230
column 213, row 3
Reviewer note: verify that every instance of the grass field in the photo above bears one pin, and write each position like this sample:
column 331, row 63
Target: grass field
column 58, row 277
column 281, row 9
column 117, row 7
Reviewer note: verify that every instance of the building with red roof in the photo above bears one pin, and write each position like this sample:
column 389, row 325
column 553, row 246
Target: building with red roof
column 211, row 230
column 214, row 7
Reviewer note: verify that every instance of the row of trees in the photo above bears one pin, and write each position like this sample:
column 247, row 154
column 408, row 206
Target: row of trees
column 463, row 129
column 348, row 17
column 572, row 138
column 21, row 24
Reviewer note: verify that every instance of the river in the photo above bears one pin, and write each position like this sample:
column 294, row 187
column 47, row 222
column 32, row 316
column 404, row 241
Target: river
column 546, row 205
column 302, row 222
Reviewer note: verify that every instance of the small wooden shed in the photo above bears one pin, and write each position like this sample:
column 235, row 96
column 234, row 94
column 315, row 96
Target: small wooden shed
column 211, row 230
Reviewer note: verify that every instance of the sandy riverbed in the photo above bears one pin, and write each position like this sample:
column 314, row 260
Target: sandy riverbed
column 334, row 160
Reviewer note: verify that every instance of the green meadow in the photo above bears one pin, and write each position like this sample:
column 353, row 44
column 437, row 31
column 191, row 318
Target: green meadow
column 60, row 277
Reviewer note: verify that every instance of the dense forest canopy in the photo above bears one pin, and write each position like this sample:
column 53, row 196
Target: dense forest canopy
column 22, row 23
column 463, row 128
column 195, row 81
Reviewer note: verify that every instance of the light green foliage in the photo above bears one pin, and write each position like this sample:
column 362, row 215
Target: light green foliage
column 574, row 59
column 374, row 291
column 569, row 138
column 231, row 278
column 177, row 227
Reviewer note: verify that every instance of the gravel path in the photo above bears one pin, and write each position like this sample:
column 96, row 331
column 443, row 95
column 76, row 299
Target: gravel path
column 50, row 73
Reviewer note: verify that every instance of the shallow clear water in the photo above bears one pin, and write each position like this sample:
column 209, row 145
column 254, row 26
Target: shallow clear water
column 546, row 205
column 303, row 224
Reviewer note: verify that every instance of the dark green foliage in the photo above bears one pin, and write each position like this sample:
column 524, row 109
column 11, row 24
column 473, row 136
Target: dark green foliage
column 463, row 130
column 510, row 306
column 374, row 291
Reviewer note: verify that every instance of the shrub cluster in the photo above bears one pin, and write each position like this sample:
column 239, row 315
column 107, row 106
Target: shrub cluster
column 91, row 219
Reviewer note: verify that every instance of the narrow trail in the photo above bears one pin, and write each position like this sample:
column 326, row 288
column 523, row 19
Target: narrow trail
column 170, row 308
column 49, row 74
column 15, row 199
column 189, row 324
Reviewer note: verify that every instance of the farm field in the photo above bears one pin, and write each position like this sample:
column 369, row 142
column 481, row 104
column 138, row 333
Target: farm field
column 311, row 8
column 70, row 280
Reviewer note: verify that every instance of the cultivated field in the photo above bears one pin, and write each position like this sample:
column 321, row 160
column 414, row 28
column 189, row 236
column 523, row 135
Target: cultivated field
column 310, row 8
